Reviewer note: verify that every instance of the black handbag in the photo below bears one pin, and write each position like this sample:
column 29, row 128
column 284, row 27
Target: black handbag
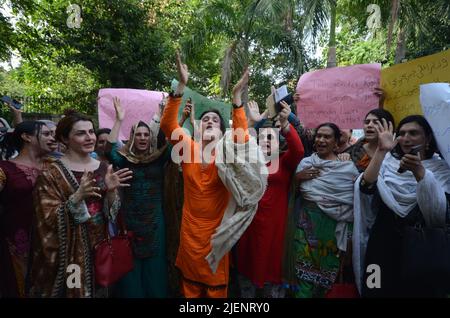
column 425, row 254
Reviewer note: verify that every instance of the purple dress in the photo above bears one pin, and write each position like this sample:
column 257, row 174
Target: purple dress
column 16, row 213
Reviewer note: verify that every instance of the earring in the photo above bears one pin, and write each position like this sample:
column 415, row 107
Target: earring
column 427, row 146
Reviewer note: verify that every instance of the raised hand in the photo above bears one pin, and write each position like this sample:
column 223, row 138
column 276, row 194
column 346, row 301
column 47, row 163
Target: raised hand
column 187, row 110
column 120, row 112
column 183, row 73
column 386, row 139
column 238, row 88
column 14, row 110
column 114, row 180
column 253, row 111
column 161, row 105
column 413, row 163
column 16, row 113
column 87, row 188
column 284, row 114
column 192, row 114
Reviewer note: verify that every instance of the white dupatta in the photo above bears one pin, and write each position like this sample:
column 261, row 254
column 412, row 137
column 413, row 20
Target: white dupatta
column 401, row 193
column 243, row 171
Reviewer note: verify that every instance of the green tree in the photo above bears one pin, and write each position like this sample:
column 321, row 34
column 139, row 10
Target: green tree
column 7, row 34
column 316, row 15
column 116, row 40
column 51, row 88
column 239, row 29
column 419, row 27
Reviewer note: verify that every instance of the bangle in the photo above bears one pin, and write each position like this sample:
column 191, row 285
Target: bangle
column 236, row 106
column 364, row 183
column 172, row 94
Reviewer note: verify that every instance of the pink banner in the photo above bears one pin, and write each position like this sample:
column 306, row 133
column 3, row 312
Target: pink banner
column 138, row 105
column 341, row 95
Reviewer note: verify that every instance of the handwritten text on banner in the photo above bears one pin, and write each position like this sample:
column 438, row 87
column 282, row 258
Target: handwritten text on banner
column 435, row 100
column 401, row 82
column 342, row 95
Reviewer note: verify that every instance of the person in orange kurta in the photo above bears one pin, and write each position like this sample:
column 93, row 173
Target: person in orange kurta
column 205, row 196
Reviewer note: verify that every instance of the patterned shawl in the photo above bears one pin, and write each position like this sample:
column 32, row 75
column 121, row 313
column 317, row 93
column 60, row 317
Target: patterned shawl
column 58, row 240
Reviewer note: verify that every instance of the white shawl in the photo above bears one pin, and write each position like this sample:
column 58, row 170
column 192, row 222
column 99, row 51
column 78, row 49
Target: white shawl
column 245, row 177
column 332, row 191
column 400, row 192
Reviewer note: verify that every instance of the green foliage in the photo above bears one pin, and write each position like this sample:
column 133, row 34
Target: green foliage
column 117, row 40
column 131, row 43
column 50, row 88
column 265, row 34
column 354, row 47
column 426, row 25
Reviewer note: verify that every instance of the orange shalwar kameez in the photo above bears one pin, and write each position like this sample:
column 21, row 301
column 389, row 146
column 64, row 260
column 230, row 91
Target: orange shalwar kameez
column 205, row 201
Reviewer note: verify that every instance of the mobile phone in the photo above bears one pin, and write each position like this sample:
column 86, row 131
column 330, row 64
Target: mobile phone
column 12, row 102
column 289, row 99
column 414, row 151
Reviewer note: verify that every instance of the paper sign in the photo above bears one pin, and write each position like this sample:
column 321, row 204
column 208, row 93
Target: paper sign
column 341, row 95
column 139, row 105
column 201, row 104
column 281, row 93
column 435, row 101
column 401, row 82
column 270, row 106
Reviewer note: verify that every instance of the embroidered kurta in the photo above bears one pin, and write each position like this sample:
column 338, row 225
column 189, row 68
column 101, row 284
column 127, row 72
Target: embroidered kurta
column 142, row 203
column 16, row 200
column 60, row 238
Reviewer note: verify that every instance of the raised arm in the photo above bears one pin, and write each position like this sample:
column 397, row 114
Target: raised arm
column 386, row 143
column 253, row 113
column 112, row 152
column 120, row 115
column 240, row 126
column 169, row 123
column 295, row 150
column 16, row 114
column 186, row 113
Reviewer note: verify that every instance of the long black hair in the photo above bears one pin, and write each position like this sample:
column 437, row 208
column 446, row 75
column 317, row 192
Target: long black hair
column 380, row 114
column 14, row 141
column 333, row 126
column 431, row 148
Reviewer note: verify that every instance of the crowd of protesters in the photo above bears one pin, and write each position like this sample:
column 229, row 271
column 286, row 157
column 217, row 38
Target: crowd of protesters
column 304, row 214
